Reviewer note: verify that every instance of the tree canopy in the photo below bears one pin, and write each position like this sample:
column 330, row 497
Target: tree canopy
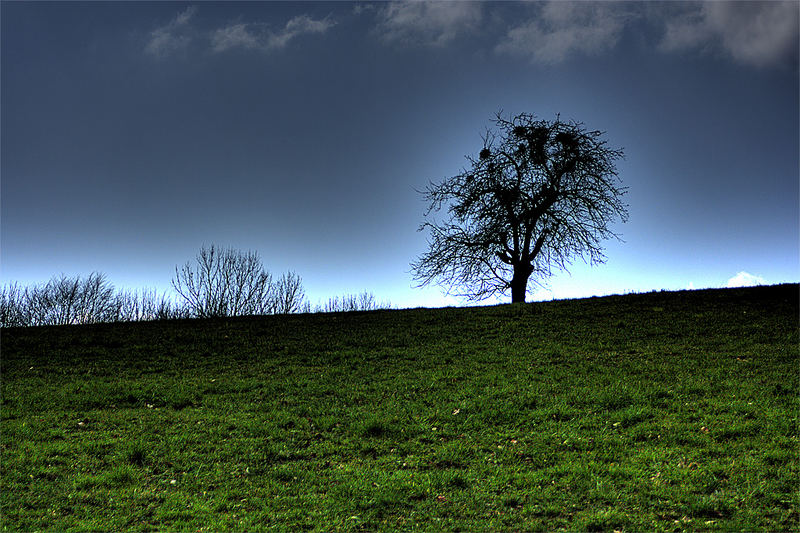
column 537, row 195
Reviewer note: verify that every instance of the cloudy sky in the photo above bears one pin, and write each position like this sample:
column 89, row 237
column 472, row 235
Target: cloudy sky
column 135, row 133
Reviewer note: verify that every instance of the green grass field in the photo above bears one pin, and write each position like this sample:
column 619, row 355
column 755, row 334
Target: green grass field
column 661, row 411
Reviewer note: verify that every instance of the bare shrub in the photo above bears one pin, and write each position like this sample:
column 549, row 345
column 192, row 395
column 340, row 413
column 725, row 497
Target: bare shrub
column 364, row 301
column 134, row 306
column 96, row 301
column 288, row 294
column 224, row 282
column 62, row 300
column 13, row 311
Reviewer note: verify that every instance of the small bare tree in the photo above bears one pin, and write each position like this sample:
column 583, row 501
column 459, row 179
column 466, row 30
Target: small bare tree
column 56, row 302
column 69, row 300
column 365, row 301
column 13, row 308
column 288, row 294
column 96, row 302
column 134, row 306
column 224, row 282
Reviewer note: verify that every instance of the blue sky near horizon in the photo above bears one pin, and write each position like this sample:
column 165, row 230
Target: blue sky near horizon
column 134, row 133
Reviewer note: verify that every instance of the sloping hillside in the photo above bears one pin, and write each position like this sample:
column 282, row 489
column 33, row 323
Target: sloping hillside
column 671, row 410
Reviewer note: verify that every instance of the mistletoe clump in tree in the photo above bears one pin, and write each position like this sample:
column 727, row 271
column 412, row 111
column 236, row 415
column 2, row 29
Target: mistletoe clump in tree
column 539, row 194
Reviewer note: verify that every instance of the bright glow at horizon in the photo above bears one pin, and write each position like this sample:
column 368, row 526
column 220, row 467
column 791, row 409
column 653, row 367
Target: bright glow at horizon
column 135, row 133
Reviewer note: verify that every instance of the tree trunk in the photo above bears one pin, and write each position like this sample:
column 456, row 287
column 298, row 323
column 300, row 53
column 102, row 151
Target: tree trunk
column 519, row 283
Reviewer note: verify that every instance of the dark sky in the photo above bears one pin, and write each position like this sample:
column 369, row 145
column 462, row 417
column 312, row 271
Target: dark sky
column 134, row 133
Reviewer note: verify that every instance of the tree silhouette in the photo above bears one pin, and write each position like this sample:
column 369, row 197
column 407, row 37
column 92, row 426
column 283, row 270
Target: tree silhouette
column 288, row 294
column 224, row 282
column 538, row 194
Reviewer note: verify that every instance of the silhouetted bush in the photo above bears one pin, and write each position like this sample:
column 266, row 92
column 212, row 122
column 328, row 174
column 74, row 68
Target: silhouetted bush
column 72, row 300
column 288, row 294
column 62, row 300
column 13, row 308
column 134, row 306
column 221, row 283
column 228, row 282
column 224, row 282
column 76, row 300
column 364, row 301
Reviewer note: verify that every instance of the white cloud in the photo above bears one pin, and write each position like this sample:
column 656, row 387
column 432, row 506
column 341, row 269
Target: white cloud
column 184, row 17
column 431, row 23
column 172, row 37
column 178, row 33
column 753, row 33
column 257, row 36
column 300, row 25
column 361, row 8
column 235, row 35
column 563, row 29
column 745, row 279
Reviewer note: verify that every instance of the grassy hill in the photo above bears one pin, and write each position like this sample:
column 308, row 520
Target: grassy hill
column 667, row 411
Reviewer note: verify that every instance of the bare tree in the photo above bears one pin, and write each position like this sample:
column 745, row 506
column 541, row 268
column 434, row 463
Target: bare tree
column 76, row 300
column 224, row 282
column 68, row 300
column 336, row 304
column 538, row 194
column 141, row 305
column 288, row 294
column 57, row 302
column 132, row 306
column 13, row 309
column 38, row 306
column 96, row 300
